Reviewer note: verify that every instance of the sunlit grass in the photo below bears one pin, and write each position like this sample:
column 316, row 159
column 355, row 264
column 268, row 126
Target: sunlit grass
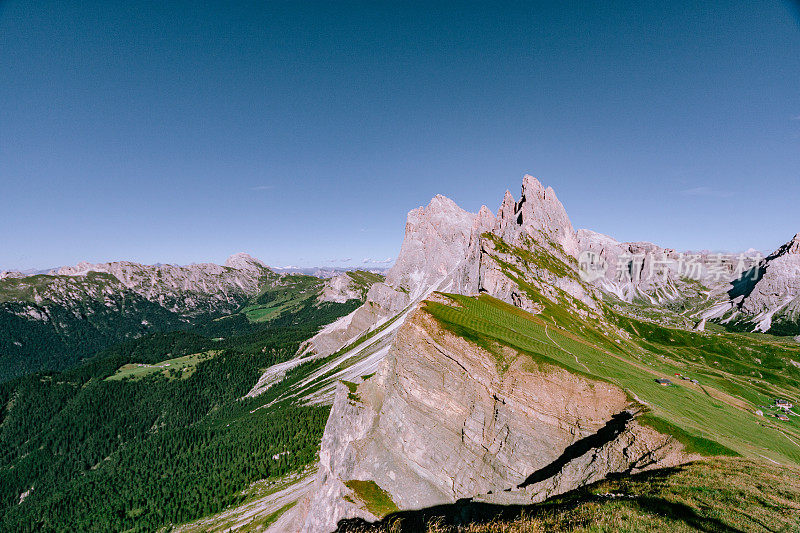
column 706, row 412
column 177, row 368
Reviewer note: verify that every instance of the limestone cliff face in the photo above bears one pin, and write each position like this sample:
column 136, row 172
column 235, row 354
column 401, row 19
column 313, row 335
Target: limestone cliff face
column 537, row 214
column 646, row 272
column 538, row 226
column 739, row 287
column 633, row 270
column 436, row 241
column 776, row 290
column 440, row 422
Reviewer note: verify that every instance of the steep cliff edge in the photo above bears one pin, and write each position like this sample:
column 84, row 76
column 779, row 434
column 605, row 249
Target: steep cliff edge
column 435, row 243
column 446, row 418
column 772, row 302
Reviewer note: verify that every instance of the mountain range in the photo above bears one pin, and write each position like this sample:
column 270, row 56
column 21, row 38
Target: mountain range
column 505, row 362
column 449, row 408
column 70, row 312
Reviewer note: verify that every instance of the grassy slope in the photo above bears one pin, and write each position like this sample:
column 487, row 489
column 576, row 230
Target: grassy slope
column 703, row 411
column 289, row 294
column 377, row 501
column 724, row 495
column 183, row 366
column 293, row 291
column 713, row 418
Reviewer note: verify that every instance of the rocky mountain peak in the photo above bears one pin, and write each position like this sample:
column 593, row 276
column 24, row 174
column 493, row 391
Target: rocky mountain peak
column 440, row 201
column 537, row 211
column 532, row 187
column 81, row 268
column 436, row 240
column 484, row 221
column 506, row 214
column 244, row 261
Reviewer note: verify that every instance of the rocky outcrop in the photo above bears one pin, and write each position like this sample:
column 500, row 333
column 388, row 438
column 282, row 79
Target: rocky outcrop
column 440, row 422
column 340, row 289
column 246, row 263
column 539, row 215
column 533, row 237
column 791, row 248
column 353, row 285
column 468, row 277
column 436, row 241
column 775, row 291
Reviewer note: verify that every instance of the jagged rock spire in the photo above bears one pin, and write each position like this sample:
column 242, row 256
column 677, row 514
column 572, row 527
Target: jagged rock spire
column 436, row 240
column 538, row 210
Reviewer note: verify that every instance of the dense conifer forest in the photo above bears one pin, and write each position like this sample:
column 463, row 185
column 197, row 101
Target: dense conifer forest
column 82, row 452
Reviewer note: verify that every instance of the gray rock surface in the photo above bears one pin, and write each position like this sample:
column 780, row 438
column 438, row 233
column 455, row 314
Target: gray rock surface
column 436, row 240
column 539, row 215
column 439, row 422
column 777, row 293
column 339, row 289
column 537, row 226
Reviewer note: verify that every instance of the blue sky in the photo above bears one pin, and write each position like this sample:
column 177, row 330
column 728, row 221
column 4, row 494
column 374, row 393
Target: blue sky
column 302, row 132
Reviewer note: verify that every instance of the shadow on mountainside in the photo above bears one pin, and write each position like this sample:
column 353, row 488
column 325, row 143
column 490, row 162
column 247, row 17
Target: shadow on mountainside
column 466, row 512
column 604, row 435
column 744, row 284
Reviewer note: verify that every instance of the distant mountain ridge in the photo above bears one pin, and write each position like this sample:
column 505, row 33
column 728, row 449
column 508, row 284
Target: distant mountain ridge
column 52, row 320
column 187, row 290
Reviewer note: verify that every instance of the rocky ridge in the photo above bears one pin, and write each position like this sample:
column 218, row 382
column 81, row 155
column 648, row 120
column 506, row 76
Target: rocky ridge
column 52, row 320
column 771, row 295
column 494, row 430
column 438, row 423
column 436, row 240
column 191, row 289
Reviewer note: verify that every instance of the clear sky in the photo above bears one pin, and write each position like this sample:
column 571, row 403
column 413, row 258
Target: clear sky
column 302, row 132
